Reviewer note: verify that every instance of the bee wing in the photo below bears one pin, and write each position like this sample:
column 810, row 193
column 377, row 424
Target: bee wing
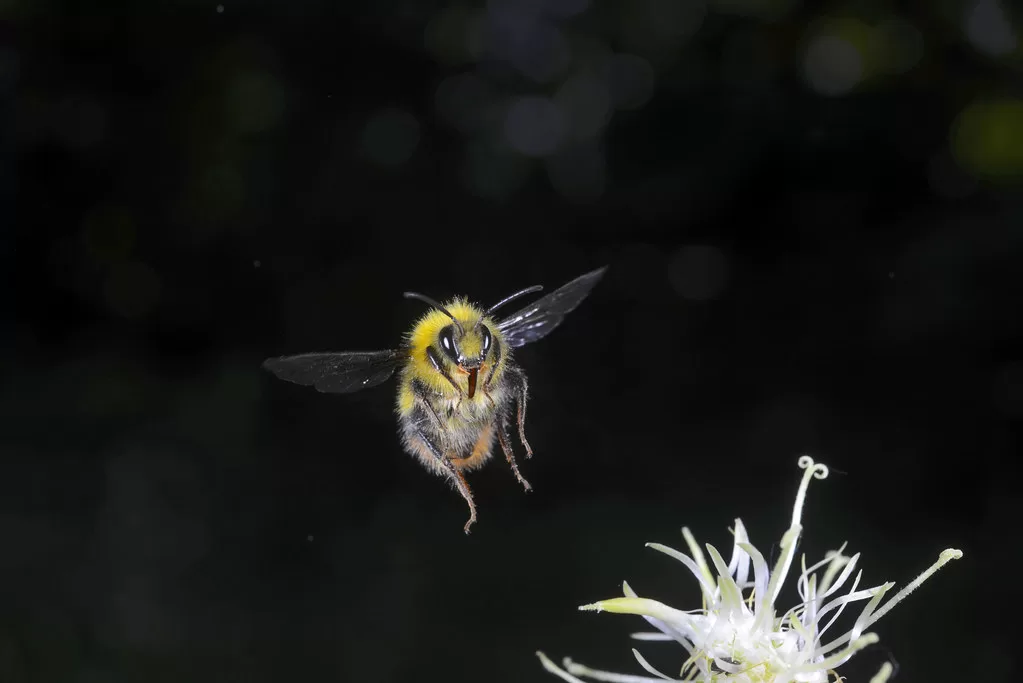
column 539, row 319
column 337, row 373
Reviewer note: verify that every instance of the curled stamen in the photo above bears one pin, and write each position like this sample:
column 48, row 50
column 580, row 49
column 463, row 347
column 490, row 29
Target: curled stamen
column 820, row 470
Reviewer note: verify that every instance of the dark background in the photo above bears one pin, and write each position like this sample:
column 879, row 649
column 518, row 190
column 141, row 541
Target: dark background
column 812, row 216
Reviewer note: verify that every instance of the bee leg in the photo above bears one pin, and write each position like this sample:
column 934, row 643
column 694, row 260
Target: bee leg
column 423, row 406
column 494, row 364
column 522, row 415
column 502, row 438
column 456, row 477
column 463, row 488
column 490, row 375
column 431, row 355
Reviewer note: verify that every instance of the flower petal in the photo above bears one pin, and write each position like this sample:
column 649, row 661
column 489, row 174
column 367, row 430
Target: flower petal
column 738, row 566
column 809, row 618
column 838, row 560
column 650, row 635
column 638, row 606
column 840, row 603
column 883, row 674
column 646, row 665
column 706, row 585
column 781, row 567
column 731, row 596
column 831, row 662
column 684, row 635
column 875, row 593
column 597, row 675
column 555, row 669
column 761, row 574
column 861, row 621
column 694, row 548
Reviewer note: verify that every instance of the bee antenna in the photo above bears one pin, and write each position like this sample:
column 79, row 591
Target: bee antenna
column 431, row 302
column 513, row 297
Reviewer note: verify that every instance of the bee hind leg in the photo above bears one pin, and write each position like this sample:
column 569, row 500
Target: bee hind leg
column 502, row 437
column 453, row 474
column 463, row 487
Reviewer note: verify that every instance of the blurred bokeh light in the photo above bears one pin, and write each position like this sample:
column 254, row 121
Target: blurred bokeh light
column 987, row 139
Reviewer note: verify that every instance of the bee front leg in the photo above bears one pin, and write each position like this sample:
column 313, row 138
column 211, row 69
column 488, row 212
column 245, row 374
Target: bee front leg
column 502, row 438
column 434, row 358
column 422, row 395
column 490, row 375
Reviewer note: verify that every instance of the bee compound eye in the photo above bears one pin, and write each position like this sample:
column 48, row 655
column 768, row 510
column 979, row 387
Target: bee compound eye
column 486, row 339
column 447, row 341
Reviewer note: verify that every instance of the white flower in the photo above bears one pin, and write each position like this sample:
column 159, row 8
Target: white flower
column 739, row 634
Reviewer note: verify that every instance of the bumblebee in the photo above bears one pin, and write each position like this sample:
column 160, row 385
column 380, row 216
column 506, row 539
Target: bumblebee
column 459, row 388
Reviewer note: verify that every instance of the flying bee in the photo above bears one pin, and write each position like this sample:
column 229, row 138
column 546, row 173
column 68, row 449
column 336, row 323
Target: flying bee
column 459, row 388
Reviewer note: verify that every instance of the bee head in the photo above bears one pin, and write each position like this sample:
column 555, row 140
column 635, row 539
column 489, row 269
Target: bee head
column 466, row 347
